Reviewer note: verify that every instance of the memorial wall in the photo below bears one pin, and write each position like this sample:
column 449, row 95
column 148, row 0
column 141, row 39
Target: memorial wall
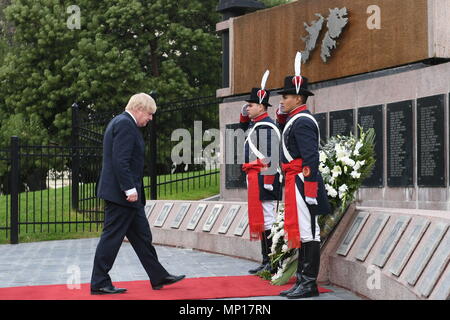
column 387, row 69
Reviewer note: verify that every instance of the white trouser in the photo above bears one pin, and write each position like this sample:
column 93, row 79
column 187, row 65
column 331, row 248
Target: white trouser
column 269, row 214
column 268, row 210
column 304, row 220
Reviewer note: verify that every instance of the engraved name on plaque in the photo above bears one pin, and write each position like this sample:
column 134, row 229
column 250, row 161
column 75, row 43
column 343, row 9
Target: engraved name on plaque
column 212, row 217
column 240, row 229
column 180, row 215
column 148, row 209
column 198, row 213
column 342, row 123
column 372, row 236
column 418, row 228
column 391, row 241
column 163, row 214
column 430, row 142
column 435, row 267
column 417, row 266
column 352, row 233
column 442, row 292
column 372, row 118
column 231, row 214
column 399, row 144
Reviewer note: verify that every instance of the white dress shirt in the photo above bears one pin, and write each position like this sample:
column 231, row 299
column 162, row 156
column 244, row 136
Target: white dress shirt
column 131, row 191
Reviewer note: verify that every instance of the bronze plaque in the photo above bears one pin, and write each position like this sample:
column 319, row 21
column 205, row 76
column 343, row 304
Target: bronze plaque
column 367, row 36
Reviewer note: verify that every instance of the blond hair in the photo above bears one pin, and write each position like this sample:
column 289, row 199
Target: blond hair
column 141, row 101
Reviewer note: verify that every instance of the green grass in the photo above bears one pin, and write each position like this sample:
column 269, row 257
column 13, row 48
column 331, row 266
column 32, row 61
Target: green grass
column 53, row 206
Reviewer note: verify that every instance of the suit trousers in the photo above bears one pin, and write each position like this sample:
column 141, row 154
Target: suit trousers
column 121, row 221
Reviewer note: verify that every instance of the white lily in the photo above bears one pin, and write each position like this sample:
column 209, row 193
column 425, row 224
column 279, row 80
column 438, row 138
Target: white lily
column 337, row 171
column 355, row 174
column 331, row 191
column 322, row 157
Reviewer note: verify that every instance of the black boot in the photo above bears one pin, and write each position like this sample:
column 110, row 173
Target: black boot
column 308, row 285
column 266, row 245
column 301, row 258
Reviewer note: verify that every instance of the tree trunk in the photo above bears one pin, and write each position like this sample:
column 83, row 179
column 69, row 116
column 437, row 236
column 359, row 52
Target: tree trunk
column 154, row 59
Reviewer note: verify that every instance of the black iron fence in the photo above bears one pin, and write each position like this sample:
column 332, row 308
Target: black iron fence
column 38, row 196
column 53, row 188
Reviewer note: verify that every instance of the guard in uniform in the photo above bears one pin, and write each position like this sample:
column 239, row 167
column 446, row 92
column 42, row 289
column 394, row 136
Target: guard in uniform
column 262, row 169
column 305, row 194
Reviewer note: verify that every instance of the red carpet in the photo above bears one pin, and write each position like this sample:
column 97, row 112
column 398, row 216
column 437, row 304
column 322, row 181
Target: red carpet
column 188, row 289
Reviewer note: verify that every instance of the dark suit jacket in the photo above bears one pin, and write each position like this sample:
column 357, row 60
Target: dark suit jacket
column 123, row 162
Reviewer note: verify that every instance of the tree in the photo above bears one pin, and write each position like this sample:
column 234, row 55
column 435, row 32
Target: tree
column 123, row 47
column 5, row 32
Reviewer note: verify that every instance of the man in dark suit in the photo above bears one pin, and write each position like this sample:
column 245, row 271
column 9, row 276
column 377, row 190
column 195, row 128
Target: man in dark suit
column 121, row 186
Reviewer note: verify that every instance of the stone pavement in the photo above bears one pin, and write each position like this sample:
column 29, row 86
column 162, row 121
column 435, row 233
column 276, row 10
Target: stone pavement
column 53, row 262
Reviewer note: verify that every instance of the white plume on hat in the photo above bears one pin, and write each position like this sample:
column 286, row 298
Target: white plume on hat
column 263, row 86
column 298, row 69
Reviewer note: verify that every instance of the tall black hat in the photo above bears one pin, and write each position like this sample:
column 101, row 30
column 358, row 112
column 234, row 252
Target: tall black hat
column 291, row 86
column 297, row 84
column 261, row 95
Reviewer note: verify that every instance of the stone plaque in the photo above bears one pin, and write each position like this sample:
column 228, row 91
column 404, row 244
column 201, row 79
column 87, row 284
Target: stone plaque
column 180, row 215
column 372, row 236
column 436, row 267
column 212, row 217
column 240, row 229
column 430, row 142
column 417, row 266
column 234, row 149
column 342, row 123
column 196, row 216
column 417, row 230
column 231, row 214
column 442, row 292
column 391, row 241
column 352, row 233
column 372, row 117
column 322, row 122
column 148, row 209
column 400, row 144
column 163, row 214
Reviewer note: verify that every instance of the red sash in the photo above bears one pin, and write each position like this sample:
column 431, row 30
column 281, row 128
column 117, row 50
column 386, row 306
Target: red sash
column 255, row 208
column 291, row 169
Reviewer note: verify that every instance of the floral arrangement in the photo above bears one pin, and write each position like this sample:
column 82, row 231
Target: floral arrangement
column 345, row 162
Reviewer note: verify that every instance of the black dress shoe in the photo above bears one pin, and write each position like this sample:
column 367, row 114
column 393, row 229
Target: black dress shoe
column 107, row 290
column 170, row 279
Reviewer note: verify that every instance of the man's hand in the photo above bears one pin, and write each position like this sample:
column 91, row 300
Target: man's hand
column 244, row 111
column 132, row 197
column 311, row 201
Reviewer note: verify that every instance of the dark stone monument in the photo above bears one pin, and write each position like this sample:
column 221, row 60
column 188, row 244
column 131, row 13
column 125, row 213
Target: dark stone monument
column 400, row 144
column 321, row 119
column 234, row 176
column 372, row 117
column 430, row 142
column 342, row 123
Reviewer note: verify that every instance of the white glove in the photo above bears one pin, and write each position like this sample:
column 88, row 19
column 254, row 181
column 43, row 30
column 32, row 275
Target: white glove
column 311, row 201
column 268, row 187
column 280, row 110
column 244, row 110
